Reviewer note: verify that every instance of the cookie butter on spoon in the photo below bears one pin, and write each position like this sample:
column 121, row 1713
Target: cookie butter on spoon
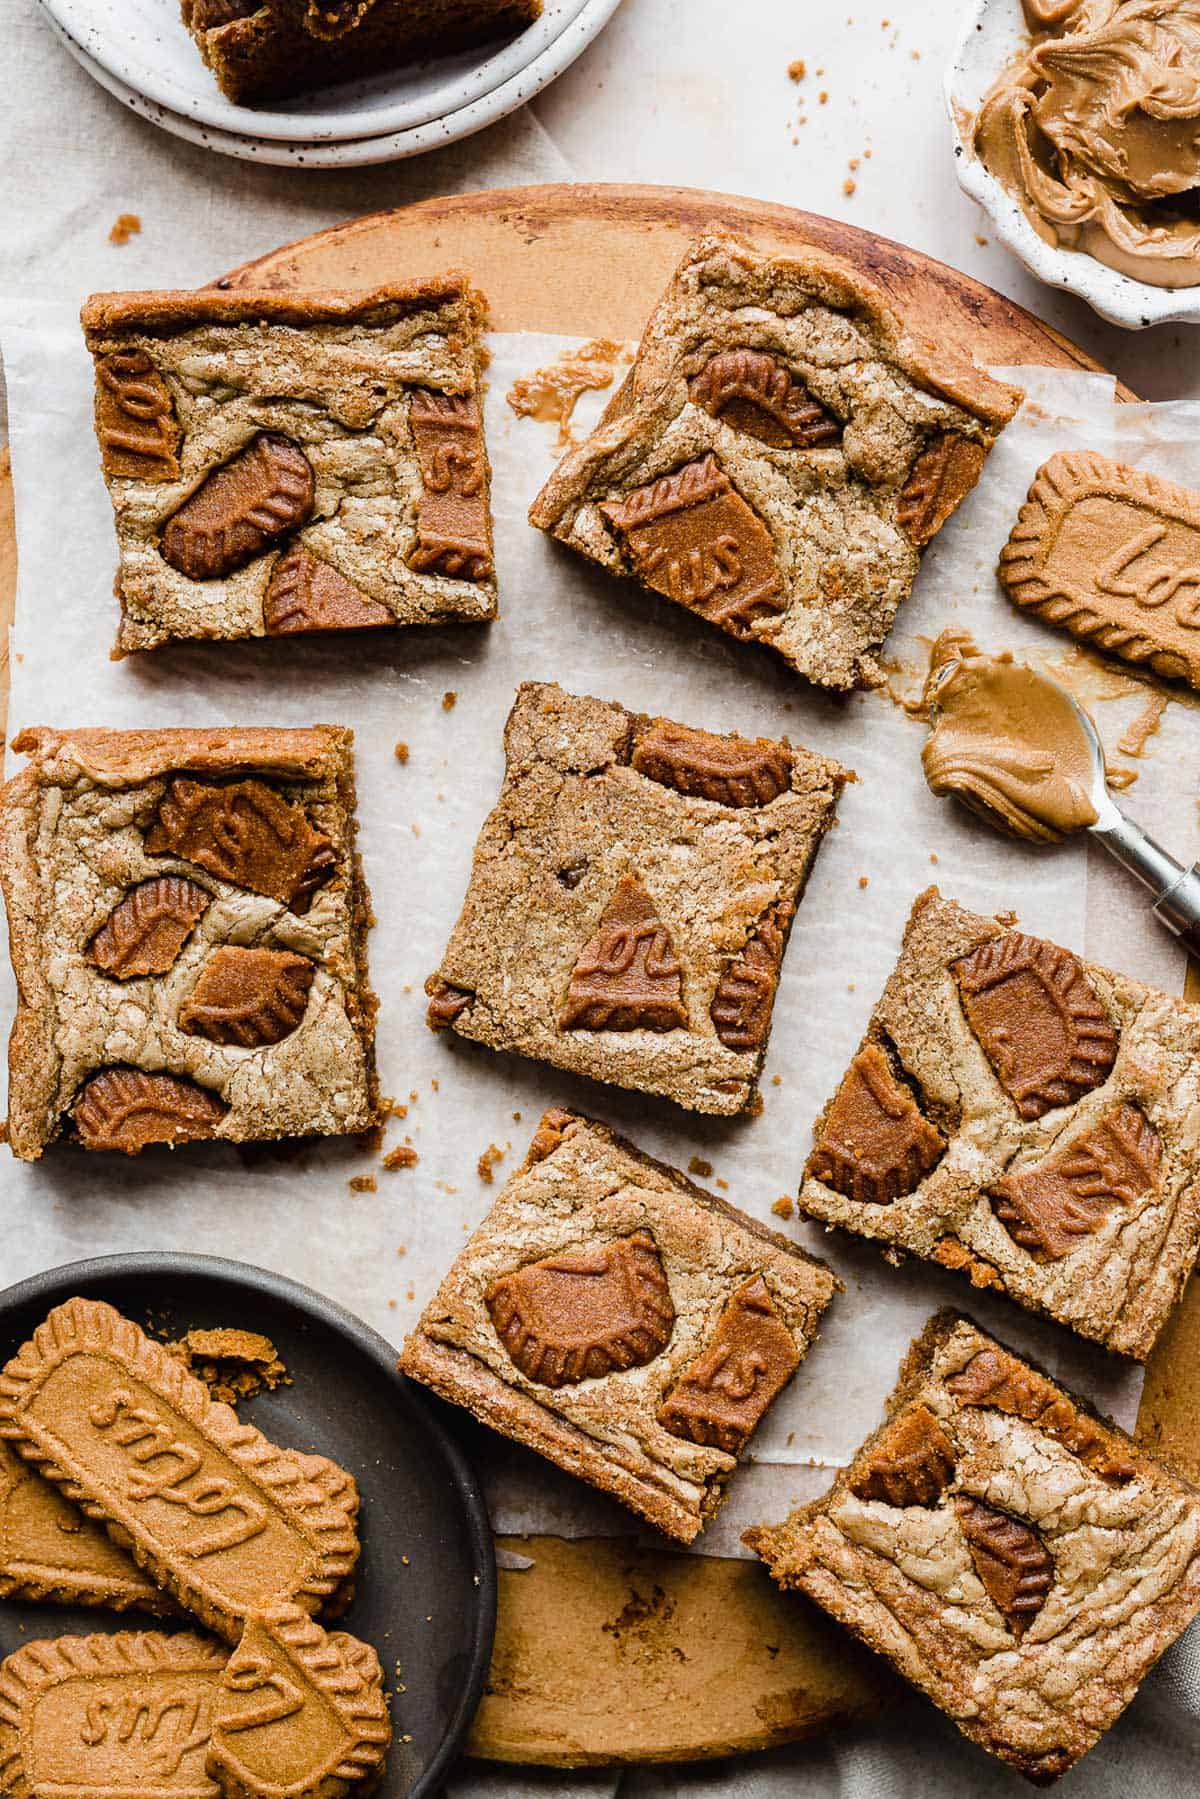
column 1008, row 742
column 1095, row 132
column 1019, row 750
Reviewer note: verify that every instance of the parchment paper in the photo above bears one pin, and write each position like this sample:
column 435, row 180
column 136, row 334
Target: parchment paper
column 383, row 1253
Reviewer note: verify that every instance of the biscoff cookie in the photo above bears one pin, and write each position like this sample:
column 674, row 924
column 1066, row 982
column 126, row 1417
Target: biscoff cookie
column 1112, row 555
column 229, row 1524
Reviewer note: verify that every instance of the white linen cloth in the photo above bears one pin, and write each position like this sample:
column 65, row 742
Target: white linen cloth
column 674, row 91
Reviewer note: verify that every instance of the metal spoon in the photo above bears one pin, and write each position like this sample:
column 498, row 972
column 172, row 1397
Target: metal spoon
column 1176, row 889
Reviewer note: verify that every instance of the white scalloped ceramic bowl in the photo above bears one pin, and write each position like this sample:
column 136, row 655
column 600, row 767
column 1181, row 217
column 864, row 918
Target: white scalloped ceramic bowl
column 993, row 36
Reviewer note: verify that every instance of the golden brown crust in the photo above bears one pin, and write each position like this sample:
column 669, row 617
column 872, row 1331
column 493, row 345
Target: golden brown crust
column 1099, row 1543
column 65, row 767
column 1021, row 1055
column 580, row 1190
column 162, row 312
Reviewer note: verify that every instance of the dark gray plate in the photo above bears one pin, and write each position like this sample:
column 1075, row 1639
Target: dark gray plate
column 433, row 1619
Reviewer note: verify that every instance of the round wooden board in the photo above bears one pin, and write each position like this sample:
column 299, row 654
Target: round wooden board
column 607, row 1653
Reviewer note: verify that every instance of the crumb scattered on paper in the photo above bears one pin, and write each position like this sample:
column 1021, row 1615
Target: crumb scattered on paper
column 550, row 394
column 797, row 70
column 401, row 752
column 404, row 1156
column 363, row 1183
column 700, row 1167
column 125, row 226
column 783, row 1207
column 449, row 700
column 849, row 185
column 486, row 1164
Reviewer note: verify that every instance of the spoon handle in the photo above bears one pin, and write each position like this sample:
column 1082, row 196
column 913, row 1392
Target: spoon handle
column 1176, row 889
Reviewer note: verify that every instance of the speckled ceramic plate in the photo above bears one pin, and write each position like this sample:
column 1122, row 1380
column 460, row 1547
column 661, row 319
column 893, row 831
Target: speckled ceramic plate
column 432, row 1614
column 357, row 152
column 144, row 44
column 994, row 34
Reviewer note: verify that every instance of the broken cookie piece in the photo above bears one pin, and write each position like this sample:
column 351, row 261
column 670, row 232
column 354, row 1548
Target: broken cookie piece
column 1026, row 1117
column 1012, row 1554
column 624, row 1323
column 188, row 925
column 631, row 898
column 293, row 463
column 779, row 457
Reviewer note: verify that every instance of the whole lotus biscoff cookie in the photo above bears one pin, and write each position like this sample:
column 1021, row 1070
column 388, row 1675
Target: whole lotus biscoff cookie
column 227, row 1522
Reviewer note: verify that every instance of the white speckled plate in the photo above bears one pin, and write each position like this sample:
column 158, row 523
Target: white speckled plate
column 143, row 46
column 993, row 35
column 251, row 146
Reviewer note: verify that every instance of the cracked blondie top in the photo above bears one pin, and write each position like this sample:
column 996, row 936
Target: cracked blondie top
column 1026, row 1117
column 267, row 49
column 631, row 898
column 292, row 463
column 778, row 457
column 621, row 1321
column 187, row 924
column 1011, row 1553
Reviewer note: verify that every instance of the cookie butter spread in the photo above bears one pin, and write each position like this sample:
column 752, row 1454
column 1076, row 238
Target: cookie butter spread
column 1008, row 742
column 1096, row 132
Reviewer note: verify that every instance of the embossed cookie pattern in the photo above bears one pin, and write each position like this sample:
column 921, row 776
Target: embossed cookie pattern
column 224, row 1520
column 1112, row 555
column 754, row 392
column 249, row 997
column 246, row 833
column 720, row 1397
column 1016, row 1568
column 1050, row 1208
column 241, row 509
column 454, row 535
column 50, row 1552
column 135, row 418
column 145, row 932
column 913, row 1464
column 1038, row 1020
column 127, row 1109
column 994, row 1378
column 874, row 1144
column 627, row 977
column 691, row 536
column 939, row 481
column 583, row 1314
column 730, row 771
column 745, row 996
column 306, row 594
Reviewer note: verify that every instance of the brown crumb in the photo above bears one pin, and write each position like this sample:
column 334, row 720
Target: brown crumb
column 405, row 1156
column 981, row 240
column 783, row 1207
column 754, row 1106
column 126, row 225
column 723, row 1185
column 486, row 1164
column 363, row 1183
column 797, row 70
column 700, row 1167
column 864, row 880
column 777, row 1080
column 933, row 855
column 392, row 1305
column 434, row 1084
column 411, row 1294
column 233, row 1364
column 399, row 1111
column 853, row 163
column 445, row 1187
column 449, row 700
column 516, row 1118
column 849, row 185
column 823, row 97
column 402, row 1249
column 401, row 752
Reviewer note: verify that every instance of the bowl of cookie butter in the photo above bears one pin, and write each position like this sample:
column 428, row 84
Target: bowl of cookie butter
column 1077, row 129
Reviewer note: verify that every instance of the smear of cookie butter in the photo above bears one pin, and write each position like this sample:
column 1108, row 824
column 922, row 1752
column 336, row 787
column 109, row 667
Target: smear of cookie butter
column 1095, row 131
column 1007, row 742
column 551, row 394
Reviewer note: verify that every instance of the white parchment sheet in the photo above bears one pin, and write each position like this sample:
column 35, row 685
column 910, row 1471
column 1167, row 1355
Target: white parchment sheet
column 382, row 1253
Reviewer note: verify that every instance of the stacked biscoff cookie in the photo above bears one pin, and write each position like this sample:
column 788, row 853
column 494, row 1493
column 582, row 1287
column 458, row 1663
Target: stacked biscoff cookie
column 124, row 1484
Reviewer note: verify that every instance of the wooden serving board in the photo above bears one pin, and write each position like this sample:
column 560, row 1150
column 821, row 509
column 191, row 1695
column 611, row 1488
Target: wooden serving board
column 606, row 1653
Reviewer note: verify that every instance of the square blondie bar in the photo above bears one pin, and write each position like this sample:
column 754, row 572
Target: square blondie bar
column 1014, row 1555
column 621, row 1321
column 1026, row 1117
column 778, row 457
column 282, row 463
column 631, row 898
column 267, row 49
column 187, row 925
